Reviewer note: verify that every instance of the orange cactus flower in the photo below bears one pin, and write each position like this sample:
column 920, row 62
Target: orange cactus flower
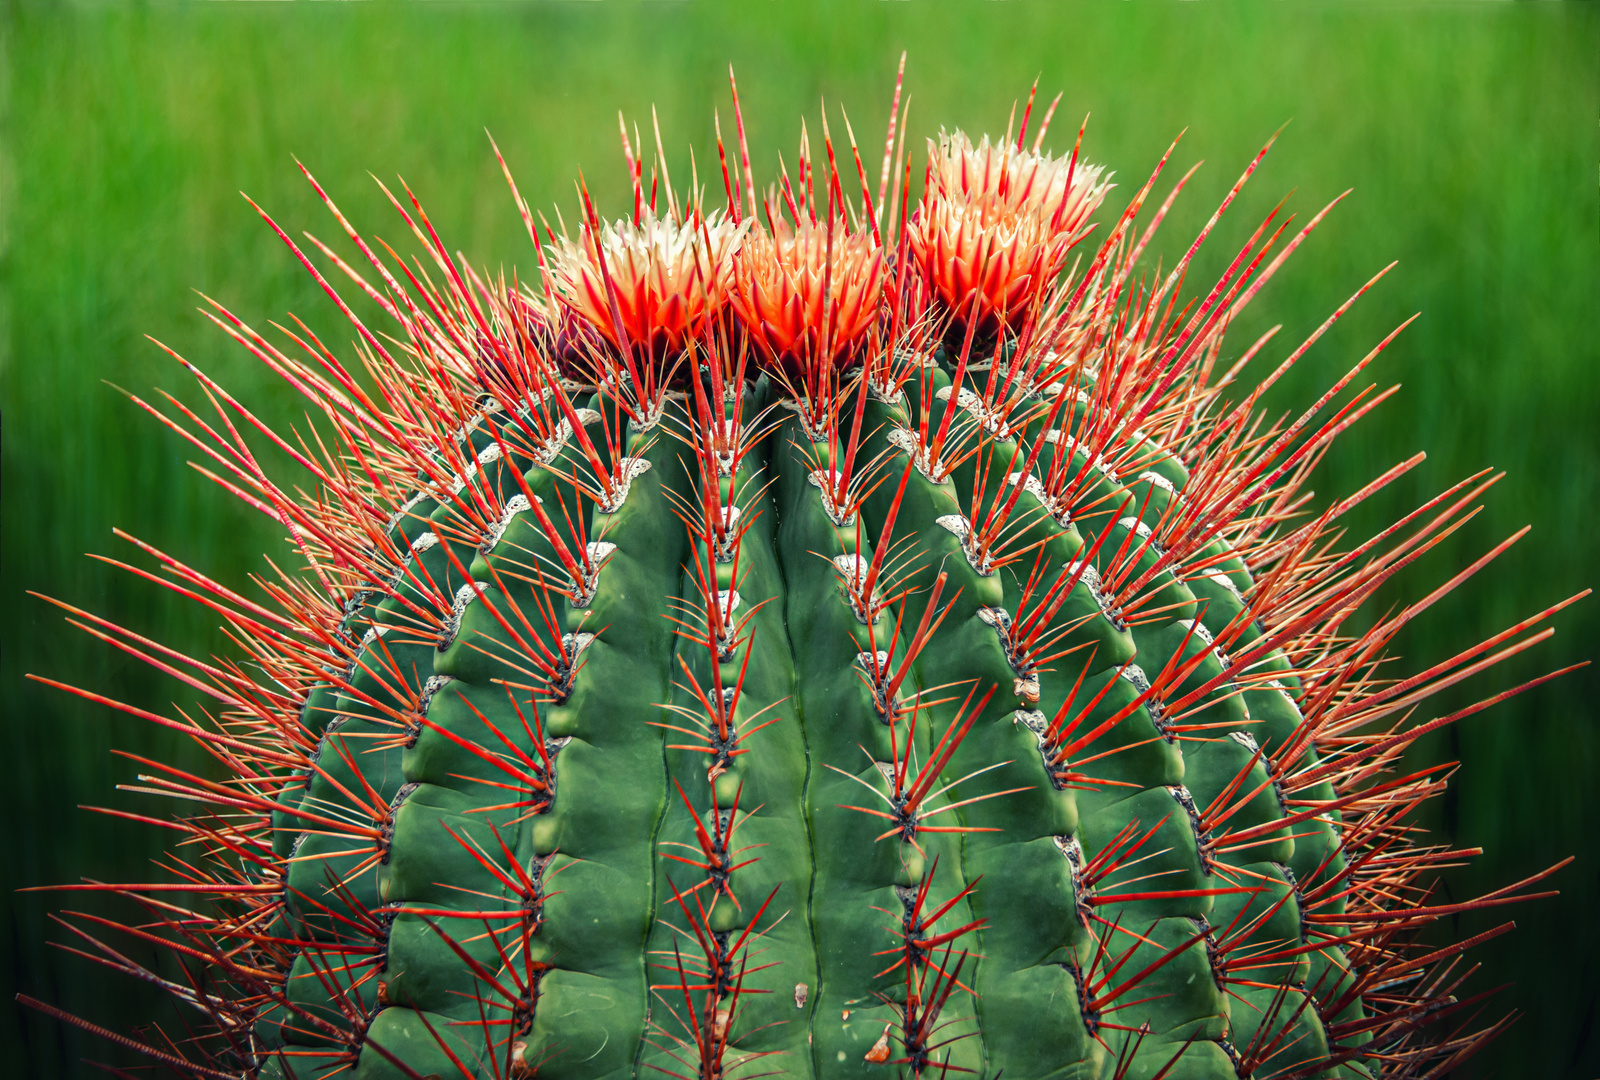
column 804, row 299
column 670, row 277
column 995, row 225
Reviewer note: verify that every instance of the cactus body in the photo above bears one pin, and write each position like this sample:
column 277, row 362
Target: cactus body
column 849, row 651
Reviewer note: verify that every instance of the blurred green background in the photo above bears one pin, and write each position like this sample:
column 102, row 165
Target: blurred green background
column 1468, row 133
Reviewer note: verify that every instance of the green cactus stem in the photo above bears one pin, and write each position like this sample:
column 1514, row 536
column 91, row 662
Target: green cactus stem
column 853, row 636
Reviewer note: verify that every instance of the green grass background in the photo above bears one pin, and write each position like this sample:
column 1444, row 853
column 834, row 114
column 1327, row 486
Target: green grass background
column 1468, row 133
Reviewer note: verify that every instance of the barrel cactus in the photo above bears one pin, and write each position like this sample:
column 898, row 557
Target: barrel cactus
column 843, row 633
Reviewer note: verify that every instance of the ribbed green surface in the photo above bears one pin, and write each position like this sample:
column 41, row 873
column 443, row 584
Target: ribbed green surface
column 448, row 953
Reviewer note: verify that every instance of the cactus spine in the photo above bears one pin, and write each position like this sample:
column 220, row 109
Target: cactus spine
column 884, row 640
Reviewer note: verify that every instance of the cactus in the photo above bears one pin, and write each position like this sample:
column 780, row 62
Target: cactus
column 847, row 636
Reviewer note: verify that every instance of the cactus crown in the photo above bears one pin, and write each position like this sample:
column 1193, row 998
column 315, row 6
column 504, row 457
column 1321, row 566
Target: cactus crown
column 847, row 636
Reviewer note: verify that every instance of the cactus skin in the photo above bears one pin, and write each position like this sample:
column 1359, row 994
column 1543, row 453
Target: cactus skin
column 957, row 698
